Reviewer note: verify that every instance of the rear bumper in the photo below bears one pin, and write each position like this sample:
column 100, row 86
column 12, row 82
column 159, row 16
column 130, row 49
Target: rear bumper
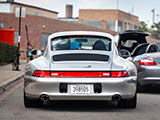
column 149, row 75
column 149, row 81
column 35, row 87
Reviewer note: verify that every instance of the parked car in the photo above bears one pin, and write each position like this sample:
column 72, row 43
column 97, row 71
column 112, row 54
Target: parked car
column 133, row 46
column 129, row 39
column 146, row 48
column 146, row 57
column 140, row 49
column 80, row 65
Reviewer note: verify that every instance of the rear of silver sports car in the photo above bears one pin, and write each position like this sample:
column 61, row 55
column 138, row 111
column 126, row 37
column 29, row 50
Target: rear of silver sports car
column 80, row 66
column 78, row 78
column 81, row 87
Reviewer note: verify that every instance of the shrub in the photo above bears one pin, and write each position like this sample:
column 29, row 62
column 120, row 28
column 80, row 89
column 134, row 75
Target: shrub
column 7, row 53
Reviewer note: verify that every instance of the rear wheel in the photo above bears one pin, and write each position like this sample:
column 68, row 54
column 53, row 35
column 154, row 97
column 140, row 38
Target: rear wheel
column 140, row 88
column 32, row 103
column 128, row 103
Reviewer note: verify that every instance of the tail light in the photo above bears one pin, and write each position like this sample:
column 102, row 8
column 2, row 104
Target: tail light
column 147, row 62
column 119, row 74
column 80, row 74
column 42, row 73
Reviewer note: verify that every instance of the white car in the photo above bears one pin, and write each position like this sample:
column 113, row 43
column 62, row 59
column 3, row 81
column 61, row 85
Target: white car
column 80, row 65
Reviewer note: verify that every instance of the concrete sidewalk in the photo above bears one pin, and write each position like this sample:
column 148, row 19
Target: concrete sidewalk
column 8, row 78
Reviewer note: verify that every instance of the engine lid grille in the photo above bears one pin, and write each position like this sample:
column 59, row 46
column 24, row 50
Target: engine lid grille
column 80, row 57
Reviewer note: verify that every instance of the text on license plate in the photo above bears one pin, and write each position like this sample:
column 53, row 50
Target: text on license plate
column 80, row 88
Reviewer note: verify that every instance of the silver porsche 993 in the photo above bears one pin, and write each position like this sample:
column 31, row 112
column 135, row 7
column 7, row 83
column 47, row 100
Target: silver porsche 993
column 80, row 65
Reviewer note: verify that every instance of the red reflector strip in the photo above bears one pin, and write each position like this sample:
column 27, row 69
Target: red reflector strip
column 80, row 74
column 147, row 62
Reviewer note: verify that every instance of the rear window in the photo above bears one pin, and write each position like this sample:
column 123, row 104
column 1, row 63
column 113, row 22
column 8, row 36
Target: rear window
column 81, row 43
column 140, row 50
column 158, row 44
column 129, row 43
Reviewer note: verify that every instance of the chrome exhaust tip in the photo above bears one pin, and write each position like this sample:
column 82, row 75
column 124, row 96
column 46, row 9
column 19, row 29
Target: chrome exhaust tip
column 116, row 98
column 44, row 97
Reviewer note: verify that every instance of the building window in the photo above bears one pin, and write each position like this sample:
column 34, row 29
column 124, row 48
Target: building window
column 2, row 26
column 16, row 34
column 111, row 25
column 93, row 23
column 37, row 13
column 44, row 39
column 125, row 25
column 120, row 24
column 74, row 20
column 136, row 27
column 129, row 26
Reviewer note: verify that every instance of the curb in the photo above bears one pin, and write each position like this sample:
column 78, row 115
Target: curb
column 8, row 85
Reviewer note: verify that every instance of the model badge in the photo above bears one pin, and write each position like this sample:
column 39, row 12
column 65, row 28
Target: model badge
column 89, row 66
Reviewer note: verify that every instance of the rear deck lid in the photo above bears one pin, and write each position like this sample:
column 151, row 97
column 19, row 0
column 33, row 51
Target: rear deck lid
column 134, row 35
column 81, row 62
column 154, row 56
column 131, row 38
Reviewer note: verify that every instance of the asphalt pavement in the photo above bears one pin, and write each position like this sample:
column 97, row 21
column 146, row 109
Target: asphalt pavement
column 8, row 78
column 148, row 108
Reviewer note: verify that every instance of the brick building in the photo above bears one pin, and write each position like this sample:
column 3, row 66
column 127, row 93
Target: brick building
column 41, row 24
column 113, row 20
column 9, row 6
column 39, row 27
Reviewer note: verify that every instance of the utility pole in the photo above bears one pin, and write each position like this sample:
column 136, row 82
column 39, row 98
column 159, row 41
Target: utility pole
column 153, row 15
column 20, row 13
column 132, row 18
column 19, row 39
column 117, row 4
column 157, row 18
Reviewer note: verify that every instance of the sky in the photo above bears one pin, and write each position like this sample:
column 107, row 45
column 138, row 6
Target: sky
column 140, row 8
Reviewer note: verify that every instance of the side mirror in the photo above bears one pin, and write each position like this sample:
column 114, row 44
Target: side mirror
column 130, row 59
column 124, row 53
column 36, row 52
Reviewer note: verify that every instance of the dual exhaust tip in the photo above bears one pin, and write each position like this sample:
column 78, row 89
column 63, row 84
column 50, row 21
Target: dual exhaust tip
column 114, row 97
column 44, row 97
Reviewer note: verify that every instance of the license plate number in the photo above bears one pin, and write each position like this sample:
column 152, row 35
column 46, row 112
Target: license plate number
column 80, row 89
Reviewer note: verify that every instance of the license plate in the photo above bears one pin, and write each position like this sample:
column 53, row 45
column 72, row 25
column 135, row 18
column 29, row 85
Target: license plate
column 80, row 89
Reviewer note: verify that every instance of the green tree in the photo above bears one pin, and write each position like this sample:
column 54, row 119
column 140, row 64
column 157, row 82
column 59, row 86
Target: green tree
column 156, row 30
column 143, row 26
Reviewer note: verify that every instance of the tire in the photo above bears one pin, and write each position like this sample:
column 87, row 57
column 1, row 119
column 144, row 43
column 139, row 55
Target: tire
column 32, row 103
column 128, row 103
column 140, row 88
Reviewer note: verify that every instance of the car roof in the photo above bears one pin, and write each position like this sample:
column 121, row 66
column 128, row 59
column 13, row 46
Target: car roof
column 58, row 34
column 158, row 45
